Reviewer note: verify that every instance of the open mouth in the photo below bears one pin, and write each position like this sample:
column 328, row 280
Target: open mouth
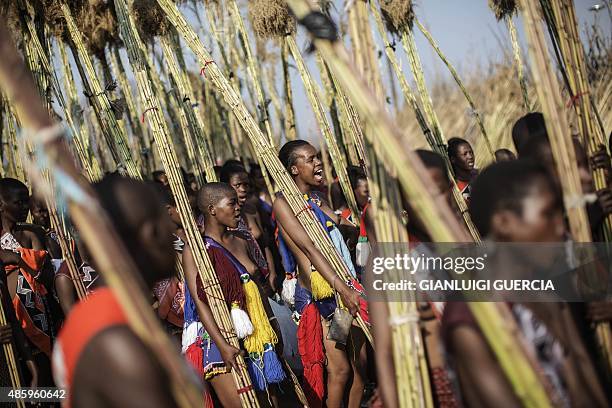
column 318, row 175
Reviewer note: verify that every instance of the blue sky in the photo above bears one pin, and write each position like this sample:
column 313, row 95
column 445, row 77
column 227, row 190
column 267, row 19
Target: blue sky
column 466, row 31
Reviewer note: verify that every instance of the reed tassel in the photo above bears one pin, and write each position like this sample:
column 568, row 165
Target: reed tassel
column 336, row 156
column 101, row 238
column 415, row 181
column 282, row 179
column 168, row 155
column 459, row 82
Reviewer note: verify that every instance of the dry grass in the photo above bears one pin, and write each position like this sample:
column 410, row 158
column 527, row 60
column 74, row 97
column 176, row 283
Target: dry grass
column 398, row 15
column 503, row 8
column 270, row 18
column 150, row 19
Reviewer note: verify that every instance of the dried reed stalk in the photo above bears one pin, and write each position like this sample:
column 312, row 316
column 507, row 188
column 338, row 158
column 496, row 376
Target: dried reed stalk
column 36, row 57
column 282, row 179
column 364, row 48
column 411, row 371
column 9, row 356
column 417, row 71
column 45, row 74
column 15, row 163
column 139, row 143
column 169, row 158
column 290, row 127
column 255, row 76
column 314, row 97
column 72, row 104
column 115, row 138
column 97, row 231
column 459, row 82
column 200, row 138
column 518, row 60
column 185, row 93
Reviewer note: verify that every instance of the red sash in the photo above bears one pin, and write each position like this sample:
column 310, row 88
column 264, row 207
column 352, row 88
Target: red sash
column 87, row 319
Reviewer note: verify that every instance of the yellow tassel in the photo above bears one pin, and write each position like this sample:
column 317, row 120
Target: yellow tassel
column 262, row 331
column 319, row 286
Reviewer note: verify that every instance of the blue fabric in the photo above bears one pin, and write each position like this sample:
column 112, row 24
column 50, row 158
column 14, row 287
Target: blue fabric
column 303, row 297
column 287, row 258
column 190, row 312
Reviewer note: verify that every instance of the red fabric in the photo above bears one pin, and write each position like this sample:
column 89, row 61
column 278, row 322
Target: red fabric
column 195, row 357
column 170, row 295
column 363, row 304
column 310, row 346
column 34, row 260
column 229, row 280
column 88, row 318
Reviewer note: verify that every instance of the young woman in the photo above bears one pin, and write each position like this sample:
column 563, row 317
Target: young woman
column 517, row 202
column 462, row 159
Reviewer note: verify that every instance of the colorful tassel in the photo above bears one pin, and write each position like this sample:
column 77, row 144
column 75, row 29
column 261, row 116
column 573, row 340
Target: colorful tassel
column 241, row 321
column 191, row 331
column 273, row 369
column 310, row 345
column 195, row 357
column 255, row 367
column 288, row 292
column 319, row 287
column 262, row 331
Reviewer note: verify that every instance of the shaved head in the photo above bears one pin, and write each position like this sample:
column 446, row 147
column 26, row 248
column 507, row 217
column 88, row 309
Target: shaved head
column 212, row 193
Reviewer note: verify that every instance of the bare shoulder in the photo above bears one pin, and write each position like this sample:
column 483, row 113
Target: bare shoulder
column 116, row 366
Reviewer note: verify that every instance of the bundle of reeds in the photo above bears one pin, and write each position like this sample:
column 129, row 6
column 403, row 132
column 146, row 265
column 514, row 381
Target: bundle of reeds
column 9, row 357
column 560, row 16
column 283, row 181
column 475, row 112
column 436, row 215
column 102, row 240
column 169, row 158
column 561, row 141
column 98, row 97
column 36, row 55
column 139, row 142
column 152, row 23
column 399, row 19
column 364, row 50
column 506, row 10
